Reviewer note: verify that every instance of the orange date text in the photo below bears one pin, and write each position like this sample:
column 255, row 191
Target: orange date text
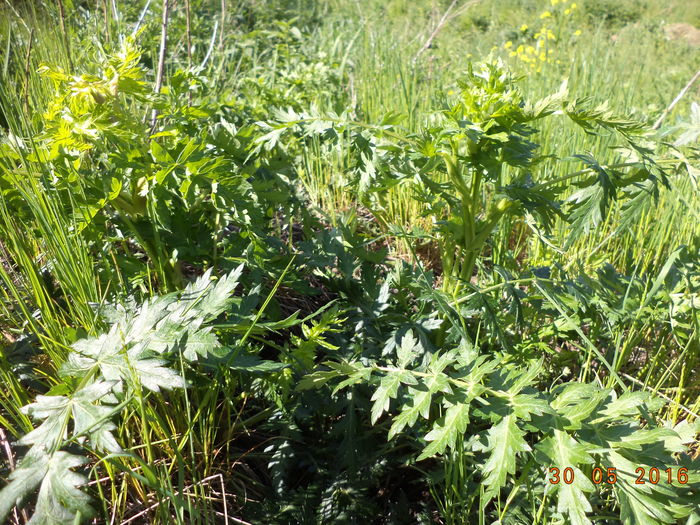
column 642, row 475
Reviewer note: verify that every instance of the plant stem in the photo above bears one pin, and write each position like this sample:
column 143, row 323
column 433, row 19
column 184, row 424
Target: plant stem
column 161, row 57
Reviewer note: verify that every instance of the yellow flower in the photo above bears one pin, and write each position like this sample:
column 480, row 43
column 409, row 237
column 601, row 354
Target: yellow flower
column 508, row 44
column 555, row 2
column 520, row 49
column 546, row 14
column 530, row 50
column 543, row 57
column 567, row 11
column 577, row 32
column 450, row 92
column 574, row 6
column 523, row 28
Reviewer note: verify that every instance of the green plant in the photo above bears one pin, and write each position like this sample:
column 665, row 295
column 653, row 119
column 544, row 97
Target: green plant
column 142, row 354
column 514, row 432
column 476, row 164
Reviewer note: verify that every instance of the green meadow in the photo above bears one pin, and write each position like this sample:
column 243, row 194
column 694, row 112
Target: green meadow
column 393, row 262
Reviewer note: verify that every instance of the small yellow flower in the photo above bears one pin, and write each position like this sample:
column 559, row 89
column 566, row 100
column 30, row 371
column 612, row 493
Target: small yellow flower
column 567, row 11
column 546, row 14
column 543, row 57
column 577, row 32
column 520, row 49
column 530, row 50
column 508, row 44
column 523, row 28
column 451, row 92
column 555, row 2
column 513, row 53
column 574, row 6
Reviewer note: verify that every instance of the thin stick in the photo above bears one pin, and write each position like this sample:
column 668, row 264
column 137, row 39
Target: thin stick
column 657, row 124
column 143, row 14
column 62, row 17
column 25, row 95
column 446, row 17
column 211, row 46
column 161, row 57
column 189, row 37
column 12, row 8
column 223, row 24
column 105, row 9
column 189, row 45
column 438, row 27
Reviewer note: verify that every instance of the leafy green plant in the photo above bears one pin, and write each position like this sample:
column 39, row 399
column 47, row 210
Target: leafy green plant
column 160, row 188
column 142, row 354
column 512, row 432
column 475, row 164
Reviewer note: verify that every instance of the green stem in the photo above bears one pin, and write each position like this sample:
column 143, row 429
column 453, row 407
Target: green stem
column 574, row 174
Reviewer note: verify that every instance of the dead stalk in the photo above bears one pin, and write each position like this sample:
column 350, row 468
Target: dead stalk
column 189, row 45
column 680, row 95
column 25, row 94
column 161, row 57
column 223, row 24
column 106, row 17
column 446, row 17
column 62, row 20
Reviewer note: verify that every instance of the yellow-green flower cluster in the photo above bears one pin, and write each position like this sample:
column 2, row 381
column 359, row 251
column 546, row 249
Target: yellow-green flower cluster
column 540, row 50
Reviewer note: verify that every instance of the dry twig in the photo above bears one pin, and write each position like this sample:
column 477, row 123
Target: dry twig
column 161, row 57
column 680, row 95
column 446, row 17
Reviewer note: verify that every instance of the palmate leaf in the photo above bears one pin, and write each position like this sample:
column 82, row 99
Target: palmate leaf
column 387, row 390
column 505, row 440
column 640, row 194
column 59, row 499
column 419, row 406
column 582, row 112
column 22, row 481
column 560, row 450
column 212, row 299
column 647, row 504
column 420, row 398
column 88, row 417
column 613, row 435
column 114, row 365
column 406, row 353
column 120, row 364
column 576, row 401
column 446, row 431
